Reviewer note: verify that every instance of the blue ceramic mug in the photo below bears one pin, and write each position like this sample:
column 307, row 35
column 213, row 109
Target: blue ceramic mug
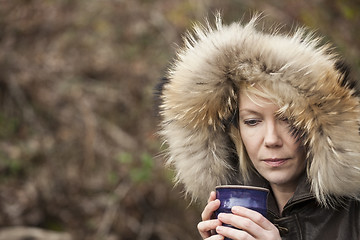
column 254, row 198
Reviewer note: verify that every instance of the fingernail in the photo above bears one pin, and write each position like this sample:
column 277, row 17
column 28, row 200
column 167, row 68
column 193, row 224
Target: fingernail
column 235, row 209
column 218, row 229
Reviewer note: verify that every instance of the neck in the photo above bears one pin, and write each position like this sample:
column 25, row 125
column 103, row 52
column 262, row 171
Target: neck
column 282, row 194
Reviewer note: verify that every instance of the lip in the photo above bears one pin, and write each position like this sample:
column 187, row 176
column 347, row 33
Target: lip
column 275, row 162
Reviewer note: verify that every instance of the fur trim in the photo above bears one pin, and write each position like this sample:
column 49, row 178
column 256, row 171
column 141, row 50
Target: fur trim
column 200, row 97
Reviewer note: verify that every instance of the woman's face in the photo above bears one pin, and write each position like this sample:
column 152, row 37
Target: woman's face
column 274, row 152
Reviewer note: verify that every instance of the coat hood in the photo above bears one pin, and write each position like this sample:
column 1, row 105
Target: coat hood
column 199, row 101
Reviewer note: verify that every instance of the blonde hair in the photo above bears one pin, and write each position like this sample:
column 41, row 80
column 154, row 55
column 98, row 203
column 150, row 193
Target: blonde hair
column 256, row 93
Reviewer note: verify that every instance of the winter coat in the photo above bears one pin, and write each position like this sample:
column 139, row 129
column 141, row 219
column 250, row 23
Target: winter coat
column 199, row 101
column 303, row 218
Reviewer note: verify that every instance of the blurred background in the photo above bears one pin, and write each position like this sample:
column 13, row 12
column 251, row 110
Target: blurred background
column 79, row 153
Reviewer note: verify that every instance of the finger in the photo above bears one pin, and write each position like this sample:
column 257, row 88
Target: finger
column 233, row 233
column 209, row 209
column 255, row 224
column 215, row 237
column 254, row 216
column 205, row 227
column 247, row 225
column 212, row 196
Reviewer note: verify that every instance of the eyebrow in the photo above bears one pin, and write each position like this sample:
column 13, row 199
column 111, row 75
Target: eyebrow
column 244, row 112
column 248, row 111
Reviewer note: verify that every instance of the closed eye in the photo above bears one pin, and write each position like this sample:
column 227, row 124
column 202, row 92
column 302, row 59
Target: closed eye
column 284, row 119
column 252, row 122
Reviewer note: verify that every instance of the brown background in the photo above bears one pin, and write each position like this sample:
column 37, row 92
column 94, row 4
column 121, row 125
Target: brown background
column 79, row 152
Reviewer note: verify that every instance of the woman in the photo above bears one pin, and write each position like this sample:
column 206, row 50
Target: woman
column 241, row 106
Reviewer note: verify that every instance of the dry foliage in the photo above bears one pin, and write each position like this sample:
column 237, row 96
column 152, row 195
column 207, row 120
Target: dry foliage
column 78, row 147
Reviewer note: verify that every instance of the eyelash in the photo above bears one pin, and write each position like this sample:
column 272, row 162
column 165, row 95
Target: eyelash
column 284, row 119
column 251, row 122
column 254, row 122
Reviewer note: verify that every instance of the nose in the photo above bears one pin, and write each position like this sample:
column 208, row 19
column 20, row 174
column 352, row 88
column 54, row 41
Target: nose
column 272, row 136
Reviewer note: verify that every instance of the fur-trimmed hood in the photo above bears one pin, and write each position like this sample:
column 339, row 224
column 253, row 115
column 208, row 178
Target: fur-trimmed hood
column 199, row 100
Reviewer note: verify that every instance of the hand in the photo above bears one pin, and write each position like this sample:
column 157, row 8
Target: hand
column 207, row 226
column 253, row 225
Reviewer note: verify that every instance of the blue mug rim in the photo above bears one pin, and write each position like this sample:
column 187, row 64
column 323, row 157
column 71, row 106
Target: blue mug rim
column 242, row 187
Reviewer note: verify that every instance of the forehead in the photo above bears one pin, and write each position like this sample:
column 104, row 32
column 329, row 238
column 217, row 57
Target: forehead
column 253, row 101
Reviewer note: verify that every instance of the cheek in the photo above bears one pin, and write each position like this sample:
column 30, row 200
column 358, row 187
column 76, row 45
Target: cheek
column 295, row 146
column 298, row 148
column 301, row 153
column 251, row 142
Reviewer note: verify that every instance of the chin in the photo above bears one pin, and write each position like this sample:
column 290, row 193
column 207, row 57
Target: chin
column 279, row 180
